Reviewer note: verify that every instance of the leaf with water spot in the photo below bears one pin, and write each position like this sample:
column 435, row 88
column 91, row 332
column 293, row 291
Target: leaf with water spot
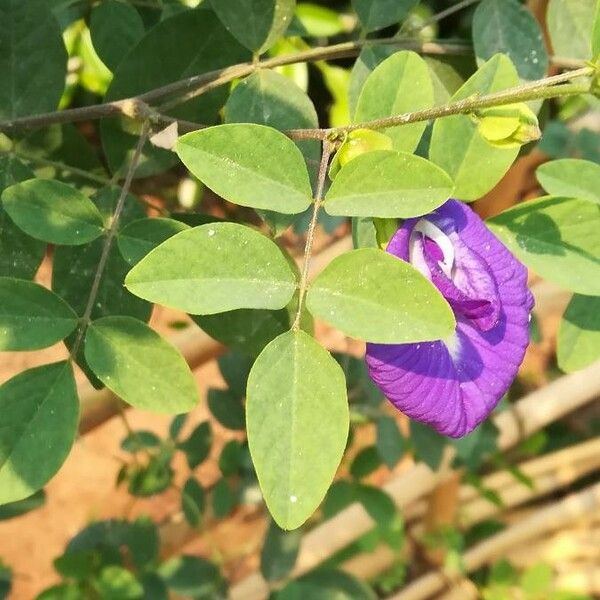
column 297, row 421
column 214, row 268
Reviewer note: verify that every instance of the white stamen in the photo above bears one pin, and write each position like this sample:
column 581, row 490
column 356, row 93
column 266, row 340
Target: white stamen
column 434, row 233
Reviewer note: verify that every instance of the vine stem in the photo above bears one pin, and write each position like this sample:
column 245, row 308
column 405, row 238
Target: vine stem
column 536, row 90
column 110, row 236
column 310, row 236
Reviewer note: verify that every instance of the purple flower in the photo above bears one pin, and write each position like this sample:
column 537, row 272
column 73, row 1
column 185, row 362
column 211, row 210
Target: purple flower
column 453, row 384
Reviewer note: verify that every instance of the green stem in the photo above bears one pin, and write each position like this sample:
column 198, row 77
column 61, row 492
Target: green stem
column 310, row 236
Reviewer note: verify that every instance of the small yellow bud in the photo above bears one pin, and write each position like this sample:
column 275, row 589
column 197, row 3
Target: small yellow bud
column 356, row 143
column 508, row 126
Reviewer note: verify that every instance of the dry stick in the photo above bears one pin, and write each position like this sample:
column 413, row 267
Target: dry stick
column 555, row 516
column 548, row 474
column 112, row 232
column 137, row 107
column 530, row 414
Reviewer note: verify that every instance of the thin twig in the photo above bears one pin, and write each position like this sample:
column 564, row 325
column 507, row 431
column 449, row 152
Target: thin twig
column 310, row 236
column 110, row 235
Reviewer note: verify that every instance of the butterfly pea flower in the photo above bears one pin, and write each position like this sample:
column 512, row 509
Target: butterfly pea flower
column 453, row 384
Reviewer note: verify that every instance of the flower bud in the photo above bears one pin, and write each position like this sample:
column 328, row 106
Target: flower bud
column 508, row 126
column 356, row 143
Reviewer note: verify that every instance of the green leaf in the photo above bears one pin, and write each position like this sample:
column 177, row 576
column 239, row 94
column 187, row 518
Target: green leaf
column 377, row 503
column 572, row 178
column 456, row 145
column 33, row 68
column 279, row 552
column 138, row 365
column 139, row 237
column 197, row 446
column 297, row 421
column 223, row 499
column 257, row 24
column 377, row 14
column 326, row 584
column 235, row 368
column 117, row 583
column 248, row 164
column 388, row 184
column 227, row 408
column 508, row 27
column 53, row 212
column 400, row 84
column 596, row 33
column 152, row 478
column 40, row 411
column 20, row 255
column 268, row 98
column 192, row 501
column 391, row 445
column 557, row 238
column 116, row 27
column 570, row 27
column 313, row 20
column 245, row 329
column 365, row 294
column 186, row 44
column 32, row 317
column 579, row 334
column 193, row 577
column 365, row 462
column 214, row 268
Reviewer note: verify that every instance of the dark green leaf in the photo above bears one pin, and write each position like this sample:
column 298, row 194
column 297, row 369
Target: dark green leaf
column 297, row 421
column 579, row 334
column 139, row 237
column 34, row 60
column 32, row 317
column 231, row 458
column 279, row 552
column 138, row 365
column 474, row 448
column 377, row 14
column 572, row 178
column 62, row 591
column 388, row 184
column 235, row 368
column 215, row 268
column 21, row 507
column 365, row 462
column 508, row 27
column 20, row 255
column 192, row 501
column 227, row 408
column 326, row 584
column 258, row 24
column 53, row 212
column 248, row 164
column 193, row 577
column 245, row 329
column 140, row 440
column 116, row 27
column 364, row 294
column 40, row 411
column 186, row 44
column 223, row 499
column 429, row 444
column 197, row 446
column 391, row 445
column 456, row 145
column 557, row 238
column 340, row 495
column 400, row 84
column 153, row 478
column 377, row 503
column 176, row 425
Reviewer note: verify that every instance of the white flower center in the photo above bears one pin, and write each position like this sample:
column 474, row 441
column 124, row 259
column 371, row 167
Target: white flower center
column 434, row 233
